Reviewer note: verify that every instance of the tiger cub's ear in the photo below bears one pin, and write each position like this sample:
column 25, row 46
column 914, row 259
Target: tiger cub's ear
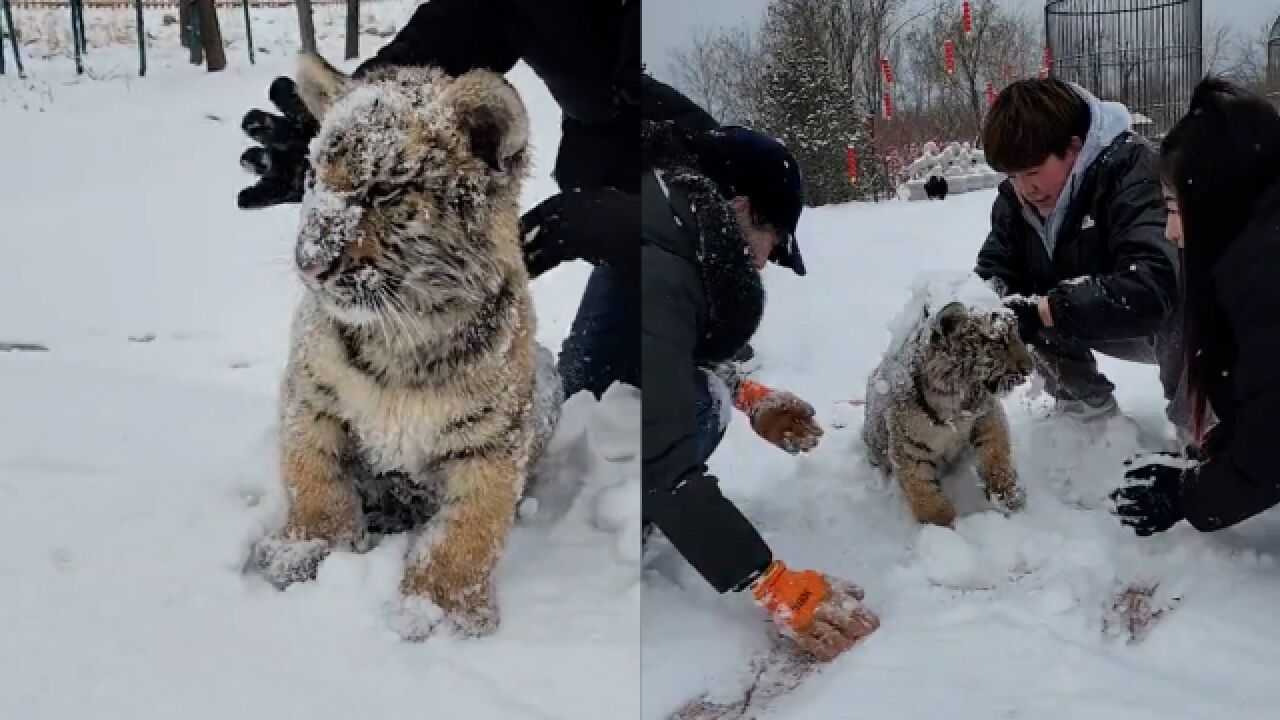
column 493, row 118
column 319, row 83
column 950, row 317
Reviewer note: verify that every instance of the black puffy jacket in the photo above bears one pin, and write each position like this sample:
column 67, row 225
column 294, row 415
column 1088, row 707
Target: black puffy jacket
column 1242, row 476
column 586, row 51
column 702, row 302
column 1113, row 275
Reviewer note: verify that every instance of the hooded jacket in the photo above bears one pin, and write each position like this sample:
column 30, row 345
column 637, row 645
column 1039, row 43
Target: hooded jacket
column 1241, row 478
column 702, row 302
column 1100, row 258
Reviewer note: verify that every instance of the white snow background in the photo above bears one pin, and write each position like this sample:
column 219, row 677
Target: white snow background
column 135, row 474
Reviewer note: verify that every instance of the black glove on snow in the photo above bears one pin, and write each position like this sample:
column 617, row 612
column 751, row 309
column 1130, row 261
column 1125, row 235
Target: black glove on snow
column 599, row 226
column 1027, row 310
column 281, row 161
column 1150, row 502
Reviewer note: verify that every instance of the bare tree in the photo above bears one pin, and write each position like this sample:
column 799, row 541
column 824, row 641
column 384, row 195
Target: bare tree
column 719, row 70
column 1248, row 66
column 1218, row 47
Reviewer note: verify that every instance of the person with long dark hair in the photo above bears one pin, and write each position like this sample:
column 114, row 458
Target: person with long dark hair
column 1220, row 166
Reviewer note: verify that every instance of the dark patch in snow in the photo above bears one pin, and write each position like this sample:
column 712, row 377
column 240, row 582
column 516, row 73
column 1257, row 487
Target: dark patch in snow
column 22, row 347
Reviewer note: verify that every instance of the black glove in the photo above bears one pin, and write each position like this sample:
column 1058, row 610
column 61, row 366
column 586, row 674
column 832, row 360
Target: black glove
column 599, row 226
column 281, row 161
column 1027, row 310
column 1150, row 502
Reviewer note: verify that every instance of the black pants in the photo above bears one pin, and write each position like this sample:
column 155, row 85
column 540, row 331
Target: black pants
column 1070, row 369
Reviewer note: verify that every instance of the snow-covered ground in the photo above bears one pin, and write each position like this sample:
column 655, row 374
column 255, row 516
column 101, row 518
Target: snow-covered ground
column 137, row 455
column 1000, row 618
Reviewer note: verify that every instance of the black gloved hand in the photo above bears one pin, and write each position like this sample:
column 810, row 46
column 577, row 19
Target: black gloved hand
column 1027, row 310
column 542, row 236
column 1150, row 502
column 599, row 226
column 281, row 161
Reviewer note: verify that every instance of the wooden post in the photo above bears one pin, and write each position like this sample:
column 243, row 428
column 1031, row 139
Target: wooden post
column 306, row 26
column 193, row 33
column 211, row 35
column 184, row 23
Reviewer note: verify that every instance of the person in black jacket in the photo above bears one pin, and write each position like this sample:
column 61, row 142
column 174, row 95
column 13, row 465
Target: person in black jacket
column 1221, row 169
column 719, row 203
column 1076, row 244
column 588, row 54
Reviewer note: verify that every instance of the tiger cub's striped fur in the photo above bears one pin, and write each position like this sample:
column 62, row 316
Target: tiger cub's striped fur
column 409, row 388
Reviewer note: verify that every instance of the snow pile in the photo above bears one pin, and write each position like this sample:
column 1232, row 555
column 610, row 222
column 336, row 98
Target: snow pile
column 139, row 459
column 963, row 166
column 931, row 291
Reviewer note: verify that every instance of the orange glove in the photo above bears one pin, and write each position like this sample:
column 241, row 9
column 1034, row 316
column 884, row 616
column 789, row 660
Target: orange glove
column 779, row 417
column 823, row 615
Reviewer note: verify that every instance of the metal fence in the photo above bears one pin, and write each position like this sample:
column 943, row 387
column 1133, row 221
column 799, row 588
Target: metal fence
column 1145, row 54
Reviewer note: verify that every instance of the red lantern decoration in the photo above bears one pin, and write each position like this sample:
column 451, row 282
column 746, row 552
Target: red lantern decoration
column 968, row 18
column 950, row 49
column 991, row 94
column 888, row 107
column 851, row 163
column 888, row 72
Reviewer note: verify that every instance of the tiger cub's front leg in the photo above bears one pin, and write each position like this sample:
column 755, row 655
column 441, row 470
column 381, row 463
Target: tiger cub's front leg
column 452, row 565
column 990, row 438
column 914, row 461
column 324, row 506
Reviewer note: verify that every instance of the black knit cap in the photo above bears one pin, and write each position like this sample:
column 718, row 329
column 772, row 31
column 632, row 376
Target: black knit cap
column 752, row 164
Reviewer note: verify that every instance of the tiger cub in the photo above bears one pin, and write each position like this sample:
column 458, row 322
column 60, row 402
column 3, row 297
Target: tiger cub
column 936, row 397
column 408, row 399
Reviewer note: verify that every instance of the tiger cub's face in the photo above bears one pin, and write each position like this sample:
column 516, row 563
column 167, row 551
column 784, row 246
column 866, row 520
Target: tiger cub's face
column 986, row 345
column 411, row 173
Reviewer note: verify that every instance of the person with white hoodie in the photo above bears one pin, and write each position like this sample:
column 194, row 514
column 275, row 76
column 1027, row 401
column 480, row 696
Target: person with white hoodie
column 1077, row 244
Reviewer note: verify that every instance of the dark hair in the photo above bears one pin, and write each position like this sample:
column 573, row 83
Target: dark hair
column 1031, row 120
column 1218, row 159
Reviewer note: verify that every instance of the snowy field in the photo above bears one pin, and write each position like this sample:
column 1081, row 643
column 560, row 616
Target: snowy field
column 1000, row 618
column 137, row 455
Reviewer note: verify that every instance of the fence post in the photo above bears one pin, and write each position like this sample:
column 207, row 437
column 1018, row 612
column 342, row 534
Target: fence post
column 75, row 35
column 353, row 29
column 84, row 43
column 142, row 41
column 13, row 38
column 248, row 31
column 193, row 33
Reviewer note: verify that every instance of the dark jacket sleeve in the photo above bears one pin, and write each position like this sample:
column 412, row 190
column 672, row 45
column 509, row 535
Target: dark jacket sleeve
column 1137, row 297
column 602, row 226
column 680, row 498
column 1242, row 478
column 1000, row 261
column 455, row 35
column 663, row 103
